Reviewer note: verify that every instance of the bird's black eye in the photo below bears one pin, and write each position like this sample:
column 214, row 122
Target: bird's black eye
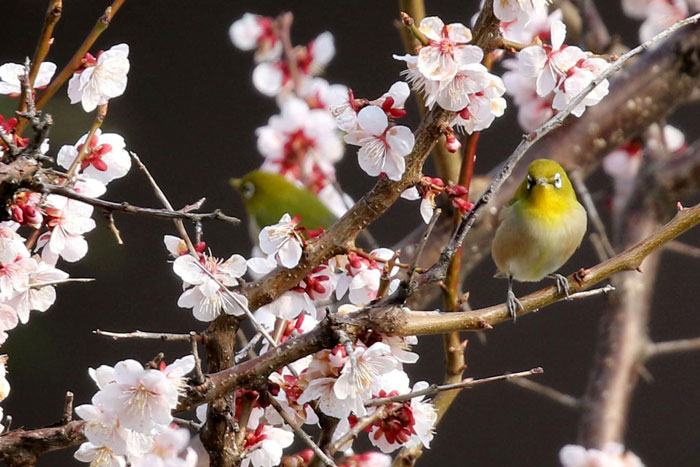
column 557, row 180
column 247, row 190
column 530, row 181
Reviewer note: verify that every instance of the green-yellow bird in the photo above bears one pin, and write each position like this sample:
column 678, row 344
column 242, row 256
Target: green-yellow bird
column 268, row 196
column 540, row 228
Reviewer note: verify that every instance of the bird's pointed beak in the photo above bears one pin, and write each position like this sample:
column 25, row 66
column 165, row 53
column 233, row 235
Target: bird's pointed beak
column 235, row 183
column 542, row 181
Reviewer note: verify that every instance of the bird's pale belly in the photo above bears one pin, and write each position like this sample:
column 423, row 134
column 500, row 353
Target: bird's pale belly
column 528, row 250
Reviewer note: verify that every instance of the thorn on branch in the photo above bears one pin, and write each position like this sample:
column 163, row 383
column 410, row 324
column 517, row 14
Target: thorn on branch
column 199, row 376
column 67, row 408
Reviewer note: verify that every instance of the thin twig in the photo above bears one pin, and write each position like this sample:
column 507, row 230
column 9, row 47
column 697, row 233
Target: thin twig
column 345, row 341
column 593, row 215
column 657, row 349
column 421, row 244
column 284, row 22
column 592, row 293
column 302, row 434
column 39, row 285
column 465, row 384
column 113, row 227
column 546, row 391
column 179, row 225
column 162, row 336
column 53, row 14
column 245, row 350
column 379, row 414
column 191, row 424
column 127, row 208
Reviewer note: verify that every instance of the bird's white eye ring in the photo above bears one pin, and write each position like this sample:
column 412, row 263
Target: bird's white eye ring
column 248, row 190
column 530, row 181
column 557, row 180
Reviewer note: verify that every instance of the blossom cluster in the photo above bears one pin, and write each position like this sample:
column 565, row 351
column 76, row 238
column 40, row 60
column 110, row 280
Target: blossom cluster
column 28, row 266
column 448, row 71
column 129, row 419
column 301, row 142
column 658, row 15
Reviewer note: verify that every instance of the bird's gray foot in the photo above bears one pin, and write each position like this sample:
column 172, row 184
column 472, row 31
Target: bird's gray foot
column 513, row 304
column 562, row 284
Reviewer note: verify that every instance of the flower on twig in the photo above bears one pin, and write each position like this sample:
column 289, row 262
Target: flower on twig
column 100, row 80
column 10, row 77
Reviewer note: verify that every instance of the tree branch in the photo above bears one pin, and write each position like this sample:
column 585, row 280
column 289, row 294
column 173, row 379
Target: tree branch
column 127, row 208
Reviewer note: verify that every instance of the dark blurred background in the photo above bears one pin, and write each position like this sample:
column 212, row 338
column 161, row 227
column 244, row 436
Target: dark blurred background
column 190, row 112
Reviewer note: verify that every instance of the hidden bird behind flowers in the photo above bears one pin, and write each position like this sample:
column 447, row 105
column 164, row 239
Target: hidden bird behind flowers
column 268, row 196
column 539, row 230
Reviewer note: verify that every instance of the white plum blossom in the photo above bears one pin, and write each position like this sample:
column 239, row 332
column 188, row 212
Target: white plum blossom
column 98, row 456
column 549, row 64
column 577, row 78
column 255, row 32
column 533, row 110
column 10, row 77
column 35, row 296
column 167, row 448
column 102, row 428
column 8, row 321
column 660, row 15
column 566, row 70
column 266, row 445
column 470, row 79
column 142, row 399
column 175, row 245
column 427, row 204
column 319, row 94
column 538, row 25
column 290, row 390
column 101, row 80
column 300, row 142
column 206, row 298
column 105, row 159
column 283, row 241
column 357, row 384
column 623, row 163
column 482, row 107
column 68, row 221
column 412, row 423
column 611, row 455
column 361, row 277
column 416, row 79
column 272, row 78
column 520, row 10
column 382, row 147
column 391, row 102
column 15, row 267
column 447, row 49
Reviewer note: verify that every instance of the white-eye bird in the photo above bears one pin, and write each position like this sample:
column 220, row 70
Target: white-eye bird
column 539, row 230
